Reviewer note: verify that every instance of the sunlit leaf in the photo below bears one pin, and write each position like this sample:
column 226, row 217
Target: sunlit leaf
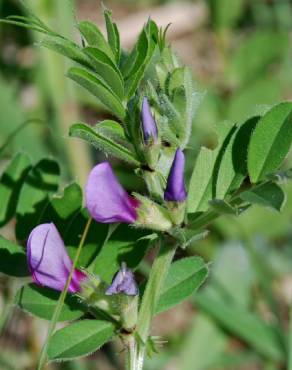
column 96, row 86
column 79, row 339
column 270, row 142
column 95, row 38
column 42, row 302
column 183, row 279
column 103, row 142
column 269, row 195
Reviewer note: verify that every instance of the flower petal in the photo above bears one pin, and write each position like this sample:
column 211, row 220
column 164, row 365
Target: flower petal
column 175, row 188
column 106, row 200
column 123, row 282
column 149, row 127
column 48, row 260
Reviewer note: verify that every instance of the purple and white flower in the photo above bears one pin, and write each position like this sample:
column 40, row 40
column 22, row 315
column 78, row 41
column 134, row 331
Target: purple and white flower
column 106, row 200
column 123, row 282
column 48, row 260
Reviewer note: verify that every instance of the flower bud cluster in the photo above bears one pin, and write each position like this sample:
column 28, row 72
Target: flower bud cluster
column 108, row 202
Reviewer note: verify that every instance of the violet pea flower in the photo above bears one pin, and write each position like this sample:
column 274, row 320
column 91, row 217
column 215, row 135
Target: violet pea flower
column 149, row 127
column 123, row 282
column 175, row 189
column 48, row 260
column 106, row 200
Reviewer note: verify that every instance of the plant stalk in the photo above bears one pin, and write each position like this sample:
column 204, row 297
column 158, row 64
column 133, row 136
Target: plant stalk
column 131, row 354
column 137, row 342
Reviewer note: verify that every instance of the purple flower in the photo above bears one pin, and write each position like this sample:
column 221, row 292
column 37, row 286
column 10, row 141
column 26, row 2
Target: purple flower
column 48, row 260
column 149, row 127
column 175, row 189
column 123, row 282
column 106, row 200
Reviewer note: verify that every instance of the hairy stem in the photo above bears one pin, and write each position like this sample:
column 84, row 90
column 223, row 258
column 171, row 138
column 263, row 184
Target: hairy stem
column 131, row 354
column 150, row 298
column 62, row 298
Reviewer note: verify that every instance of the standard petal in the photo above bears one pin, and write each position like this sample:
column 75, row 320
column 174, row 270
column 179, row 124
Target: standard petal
column 48, row 260
column 175, row 188
column 106, row 200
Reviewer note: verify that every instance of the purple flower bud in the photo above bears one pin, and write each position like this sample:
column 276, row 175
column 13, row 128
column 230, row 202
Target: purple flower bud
column 48, row 260
column 123, row 282
column 175, row 189
column 106, row 200
column 149, row 127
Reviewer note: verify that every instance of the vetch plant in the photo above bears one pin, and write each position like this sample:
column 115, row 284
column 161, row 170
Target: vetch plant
column 152, row 99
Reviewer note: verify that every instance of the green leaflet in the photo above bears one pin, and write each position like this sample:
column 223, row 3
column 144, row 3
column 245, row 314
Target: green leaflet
column 79, row 339
column 96, row 86
column 174, row 117
column 185, row 98
column 202, row 187
column 67, row 48
column 102, row 142
column 269, row 195
column 233, row 165
column 42, row 302
column 136, row 63
column 270, row 142
column 107, row 70
column 113, row 36
column 221, row 206
column 95, row 38
column 112, row 129
column 184, row 277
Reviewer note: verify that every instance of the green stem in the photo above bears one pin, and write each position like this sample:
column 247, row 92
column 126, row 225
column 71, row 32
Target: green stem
column 62, row 298
column 150, row 298
column 131, row 354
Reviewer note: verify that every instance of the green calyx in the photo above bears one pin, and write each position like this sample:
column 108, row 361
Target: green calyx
column 151, row 215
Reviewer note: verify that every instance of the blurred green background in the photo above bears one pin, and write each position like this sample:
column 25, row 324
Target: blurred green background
column 240, row 52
